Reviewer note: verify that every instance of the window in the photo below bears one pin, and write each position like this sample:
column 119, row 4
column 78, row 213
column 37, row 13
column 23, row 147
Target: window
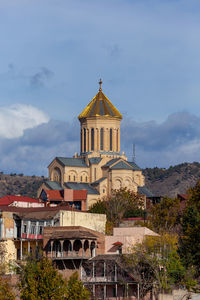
column 110, row 139
column 33, row 228
column 49, row 223
column 25, row 228
column 101, row 139
column 95, row 173
column 92, row 139
column 84, row 137
column 74, row 178
column 41, row 226
column 69, row 178
column 86, row 178
column 81, row 140
column 81, row 178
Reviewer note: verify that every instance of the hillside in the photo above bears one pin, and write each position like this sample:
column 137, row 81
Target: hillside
column 174, row 180
column 170, row 182
column 19, row 185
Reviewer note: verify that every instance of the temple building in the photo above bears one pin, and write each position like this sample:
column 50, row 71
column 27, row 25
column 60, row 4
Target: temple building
column 100, row 167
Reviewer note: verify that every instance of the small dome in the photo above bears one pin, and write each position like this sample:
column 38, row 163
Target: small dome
column 100, row 106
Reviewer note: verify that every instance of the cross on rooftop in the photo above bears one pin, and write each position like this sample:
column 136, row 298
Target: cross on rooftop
column 100, row 83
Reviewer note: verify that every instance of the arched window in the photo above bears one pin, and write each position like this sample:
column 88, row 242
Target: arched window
column 69, row 177
column 86, row 178
column 81, row 178
column 92, row 139
column 110, row 139
column 74, row 178
column 84, row 137
column 101, row 139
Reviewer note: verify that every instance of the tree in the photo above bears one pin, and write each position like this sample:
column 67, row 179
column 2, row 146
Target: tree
column 156, row 264
column 164, row 216
column 121, row 203
column 190, row 237
column 5, row 290
column 40, row 280
column 76, row 290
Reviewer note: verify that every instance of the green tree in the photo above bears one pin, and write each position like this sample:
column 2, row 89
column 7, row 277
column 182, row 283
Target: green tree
column 76, row 290
column 190, row 237
column 164, row 216
column 156, row 264
column 120, row 204
column 40, row 280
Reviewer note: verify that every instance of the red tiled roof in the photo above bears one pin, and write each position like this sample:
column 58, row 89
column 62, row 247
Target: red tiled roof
column 7, row 200
column 183, row 196
column 54, row 195
column 117, row 244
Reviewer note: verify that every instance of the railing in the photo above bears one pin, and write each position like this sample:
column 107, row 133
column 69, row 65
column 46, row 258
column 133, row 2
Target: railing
column 69, row 254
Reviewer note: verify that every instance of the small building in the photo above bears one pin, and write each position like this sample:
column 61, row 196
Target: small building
column 20, row 201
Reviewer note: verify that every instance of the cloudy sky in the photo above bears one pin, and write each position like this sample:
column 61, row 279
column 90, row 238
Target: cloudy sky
column 52, row 54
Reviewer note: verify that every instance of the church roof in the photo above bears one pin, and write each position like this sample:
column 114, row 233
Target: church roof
column 111, row 162
column 81, row 186
column 100, row 106
column 143, row 190
column 99, row 180
column 121, row 165
column 95, row 160
column 134, row 165
column 72, row 162
column 53, row 185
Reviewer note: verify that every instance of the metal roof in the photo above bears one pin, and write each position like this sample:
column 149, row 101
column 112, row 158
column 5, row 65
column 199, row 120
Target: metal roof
column 110, row 162
column 53, row 185
column 134, row 165
column 81, row 186
column 72, row 162
column 121, row 165
column 95, row 160
column 99, row 180
column 143, row 190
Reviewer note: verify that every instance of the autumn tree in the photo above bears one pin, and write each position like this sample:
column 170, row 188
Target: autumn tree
column 156, row 264
column 121, row 203
column 165, row 216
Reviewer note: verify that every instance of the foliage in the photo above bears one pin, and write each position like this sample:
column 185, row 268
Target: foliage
column 156, row 263
column 190, row 237
column 122, row 203
column 5, row 290
column 40, row 280
column 76, row 290
column 165, row 215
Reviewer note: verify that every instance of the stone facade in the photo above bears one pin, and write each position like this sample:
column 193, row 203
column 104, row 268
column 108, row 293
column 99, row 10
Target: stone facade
column 100, row 167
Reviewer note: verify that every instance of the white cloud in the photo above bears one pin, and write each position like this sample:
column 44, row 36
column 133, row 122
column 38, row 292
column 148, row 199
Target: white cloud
column 19, row 117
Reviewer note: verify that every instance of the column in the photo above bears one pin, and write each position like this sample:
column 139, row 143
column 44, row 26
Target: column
column 21, row 250
column 95, row 139
column 83, row 252
column 61, row 249
column 51, row 243
column 118, row 140
column 114, row 139
column 29, row 247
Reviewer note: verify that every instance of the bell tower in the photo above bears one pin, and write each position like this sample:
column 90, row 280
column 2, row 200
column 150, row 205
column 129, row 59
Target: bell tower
column 100, row 126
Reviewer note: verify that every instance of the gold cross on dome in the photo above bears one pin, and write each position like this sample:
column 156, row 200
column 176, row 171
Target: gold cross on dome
column 100, row 83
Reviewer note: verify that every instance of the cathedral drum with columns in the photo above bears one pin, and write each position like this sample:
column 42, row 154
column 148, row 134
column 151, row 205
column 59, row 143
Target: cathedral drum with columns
column 100, row 167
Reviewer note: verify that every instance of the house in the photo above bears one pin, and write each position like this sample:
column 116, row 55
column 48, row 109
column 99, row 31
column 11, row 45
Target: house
column 20, row 201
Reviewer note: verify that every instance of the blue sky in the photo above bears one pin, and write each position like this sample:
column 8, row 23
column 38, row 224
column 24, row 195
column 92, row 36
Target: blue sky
column 53, row 54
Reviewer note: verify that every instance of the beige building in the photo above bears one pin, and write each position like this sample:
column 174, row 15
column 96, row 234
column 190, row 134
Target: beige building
column 100, row 167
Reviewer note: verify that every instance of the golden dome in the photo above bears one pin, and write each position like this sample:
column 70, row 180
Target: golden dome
column 100, row 106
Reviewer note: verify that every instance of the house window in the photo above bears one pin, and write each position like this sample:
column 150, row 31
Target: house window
column 74, row 178
column 81, row 178
column 33, row 228
column 69, row 178
column 92, row 139
column 111, row 139
column 25, row 228
column 101, row 138
column 41, row 226
column 86, row 178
